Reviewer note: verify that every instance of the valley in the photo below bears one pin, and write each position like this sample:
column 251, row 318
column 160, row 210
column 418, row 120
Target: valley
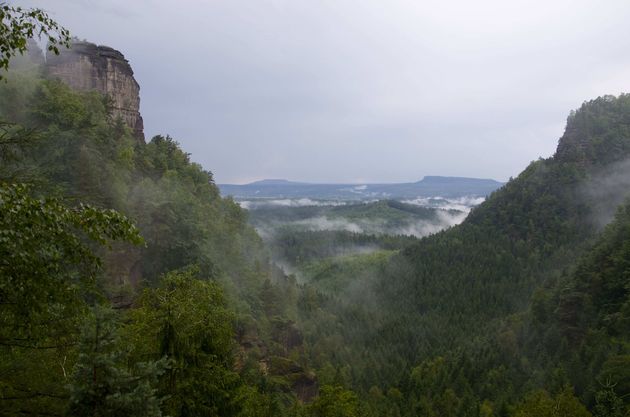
column 132, row 284
column 332, row 237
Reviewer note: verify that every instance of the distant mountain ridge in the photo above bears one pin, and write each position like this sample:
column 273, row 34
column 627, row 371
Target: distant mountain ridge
column 429, row 186
column 274, row 182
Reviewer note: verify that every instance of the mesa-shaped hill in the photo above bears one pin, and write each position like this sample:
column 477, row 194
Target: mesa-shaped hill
column 429, row 186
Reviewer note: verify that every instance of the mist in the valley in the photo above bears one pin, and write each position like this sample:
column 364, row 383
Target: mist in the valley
column 448, row 212
column 464, row 204
column 343, row 251
column 418, row 228
column 606, row 190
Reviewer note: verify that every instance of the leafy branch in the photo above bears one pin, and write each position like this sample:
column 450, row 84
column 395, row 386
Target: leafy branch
column 17, row 25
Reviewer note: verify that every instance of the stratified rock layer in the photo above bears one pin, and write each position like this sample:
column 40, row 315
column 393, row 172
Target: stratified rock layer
column 86, row 66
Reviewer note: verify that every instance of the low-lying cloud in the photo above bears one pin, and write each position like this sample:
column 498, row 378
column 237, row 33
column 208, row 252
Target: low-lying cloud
column 606, row 190
column 464, row 204
column 417, row 228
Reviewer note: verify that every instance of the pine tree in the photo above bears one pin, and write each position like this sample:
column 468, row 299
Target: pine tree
column 608, row 404
column 103, row 384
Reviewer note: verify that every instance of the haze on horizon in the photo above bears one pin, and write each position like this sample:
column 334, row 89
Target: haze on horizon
column 348, row 91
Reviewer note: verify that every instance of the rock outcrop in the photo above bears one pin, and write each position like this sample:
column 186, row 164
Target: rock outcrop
column 595, row 134
column 86, row 66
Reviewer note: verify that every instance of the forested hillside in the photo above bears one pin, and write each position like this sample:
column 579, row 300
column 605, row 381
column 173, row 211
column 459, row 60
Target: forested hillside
column 190, row 309
column 456, row 307
column 130, row 286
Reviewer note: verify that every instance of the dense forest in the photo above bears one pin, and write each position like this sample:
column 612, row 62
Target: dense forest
column 487, row 318
column 130, row 286
column 383, row 217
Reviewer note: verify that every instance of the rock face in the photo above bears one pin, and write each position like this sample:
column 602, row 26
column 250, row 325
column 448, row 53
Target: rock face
column 574, row 144
column 590, row 138
column 86, row 66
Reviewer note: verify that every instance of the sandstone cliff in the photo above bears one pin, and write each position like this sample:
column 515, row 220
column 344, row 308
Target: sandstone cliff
column 86, row 66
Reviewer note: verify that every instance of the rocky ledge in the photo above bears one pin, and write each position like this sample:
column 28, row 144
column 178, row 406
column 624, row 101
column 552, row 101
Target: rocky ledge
column 86, row 66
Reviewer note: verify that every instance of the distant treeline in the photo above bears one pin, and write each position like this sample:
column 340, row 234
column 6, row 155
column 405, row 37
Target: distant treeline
column 299, row 246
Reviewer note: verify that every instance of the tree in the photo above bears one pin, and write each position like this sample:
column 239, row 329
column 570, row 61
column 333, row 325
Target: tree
column 17, row 25
column 541, row 404
column 14, row 142
column 103, row 383
column 334, row 402
column 186, row 321
column 48, row 270
column 608, row 404
column 47, row 266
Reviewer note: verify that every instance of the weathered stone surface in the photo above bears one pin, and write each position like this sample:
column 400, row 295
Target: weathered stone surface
column 86, row 66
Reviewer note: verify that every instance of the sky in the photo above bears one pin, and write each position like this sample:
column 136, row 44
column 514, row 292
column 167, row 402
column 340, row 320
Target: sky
column 355, row 91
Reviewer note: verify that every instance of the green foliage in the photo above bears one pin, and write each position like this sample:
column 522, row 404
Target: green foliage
column 17, row 25
column 521, row 296
column 336, row 275
column 582, row 323
column 185, row 320
column 82, row 154
column 47, row 272
column 102, row 383
column 14, row 140
column 46, row 265
column 608, row 404
column 541, row 404
column 334, row 401
column 299, row 247
column 509, row 313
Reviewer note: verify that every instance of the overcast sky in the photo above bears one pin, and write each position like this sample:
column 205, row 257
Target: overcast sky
column 361, row 90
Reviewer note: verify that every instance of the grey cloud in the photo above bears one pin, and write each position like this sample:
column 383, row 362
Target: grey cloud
column 348, row 90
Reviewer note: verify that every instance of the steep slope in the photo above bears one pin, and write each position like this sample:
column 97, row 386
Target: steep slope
column 582, row 324
column 194, row 237
column 453, row 290
column 533, row 226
